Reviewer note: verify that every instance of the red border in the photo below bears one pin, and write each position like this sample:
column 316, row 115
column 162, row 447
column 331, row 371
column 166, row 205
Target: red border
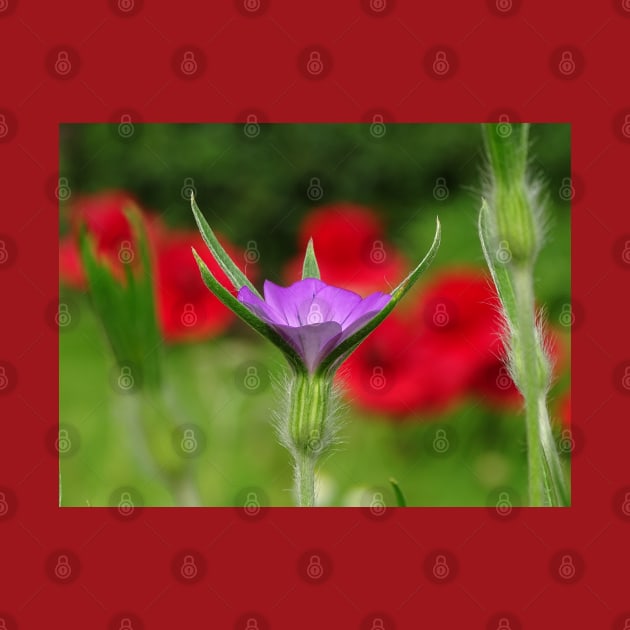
column 502, row 56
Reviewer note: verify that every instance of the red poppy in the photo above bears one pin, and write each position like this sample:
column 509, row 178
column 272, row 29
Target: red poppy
column 443, row 349
column 187, row 309
column 493, row 383
column 400, row 370
column 103, row 215
column 564, row 409
column 70, row 268
column 350, row 247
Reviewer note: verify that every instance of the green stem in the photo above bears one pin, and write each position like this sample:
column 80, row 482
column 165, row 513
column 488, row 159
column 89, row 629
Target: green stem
column 531, row 382
column 309, row 430
column 305, row 480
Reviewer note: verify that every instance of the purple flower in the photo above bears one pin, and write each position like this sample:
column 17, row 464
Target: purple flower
column 312, row 316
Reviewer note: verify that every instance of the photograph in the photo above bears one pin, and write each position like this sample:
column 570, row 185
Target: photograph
column 360, row 315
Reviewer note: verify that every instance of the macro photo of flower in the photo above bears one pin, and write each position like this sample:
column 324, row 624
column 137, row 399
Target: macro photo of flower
column 315, row 316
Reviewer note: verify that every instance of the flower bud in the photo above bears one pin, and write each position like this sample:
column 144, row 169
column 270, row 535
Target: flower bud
column 514, row 213
column 515, row 225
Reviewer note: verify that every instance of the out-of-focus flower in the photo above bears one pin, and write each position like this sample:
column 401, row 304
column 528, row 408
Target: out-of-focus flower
column 493, row 385
column 103, row 216
column 428, row 359
column 446, row 347
column 352, row 251
column 564, row 409
column 400, row 370
column 186, row 308
column 70, row 266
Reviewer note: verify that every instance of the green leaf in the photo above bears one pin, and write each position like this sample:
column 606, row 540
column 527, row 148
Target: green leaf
column 341, row 352
column 400, row 497
column 233, row 273
column 310, row 269
column 126, row 307
column 246, row 315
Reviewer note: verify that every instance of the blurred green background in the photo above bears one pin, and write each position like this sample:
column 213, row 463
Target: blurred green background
column 254, row 187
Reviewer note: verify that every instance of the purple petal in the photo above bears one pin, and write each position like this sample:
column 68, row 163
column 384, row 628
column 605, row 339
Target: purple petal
column 259, row 307
column 364, row 312
column 294, row 301
column 334, row 304
column 312, row 342
column 371, row 304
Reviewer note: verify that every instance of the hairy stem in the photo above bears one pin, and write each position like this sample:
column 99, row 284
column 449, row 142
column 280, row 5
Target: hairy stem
column 530, row 382
column 305, row 480
column 308, row 428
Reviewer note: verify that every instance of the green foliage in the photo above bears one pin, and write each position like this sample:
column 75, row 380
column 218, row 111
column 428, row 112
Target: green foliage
column 126, row 307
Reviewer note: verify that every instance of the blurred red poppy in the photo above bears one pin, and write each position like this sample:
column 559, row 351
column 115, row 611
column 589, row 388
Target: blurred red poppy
column 494, row 385
column 564, row 409
column 350, row 247
column 430, row 356
column 399, row 370
column 187, row 309
column 447, row 346
column 103, row 215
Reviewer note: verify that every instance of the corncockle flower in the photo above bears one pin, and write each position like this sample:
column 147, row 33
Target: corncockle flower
column 317, row 326
column 313, row 316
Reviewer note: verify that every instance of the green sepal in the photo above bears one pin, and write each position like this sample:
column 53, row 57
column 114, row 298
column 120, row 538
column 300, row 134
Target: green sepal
column 224, row 296
column 229, row 267
column 310, row 268
column 343, row 350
